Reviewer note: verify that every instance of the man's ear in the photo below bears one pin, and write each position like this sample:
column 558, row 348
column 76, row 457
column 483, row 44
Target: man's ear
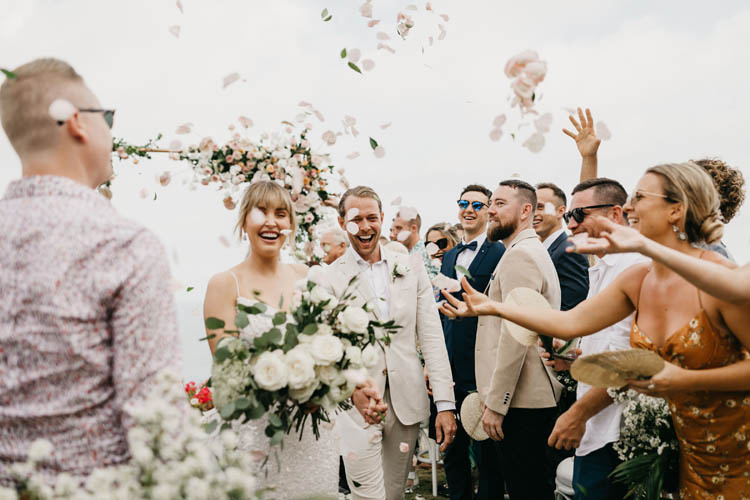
column 341, row 223
column 561, row 210
column 616, row 214
column 75, row 128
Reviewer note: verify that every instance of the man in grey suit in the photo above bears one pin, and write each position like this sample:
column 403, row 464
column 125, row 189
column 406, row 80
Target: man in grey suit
column 518, row 391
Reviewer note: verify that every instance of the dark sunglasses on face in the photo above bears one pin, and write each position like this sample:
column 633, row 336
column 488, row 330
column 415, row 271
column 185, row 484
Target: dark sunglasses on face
column 476, row 205
column 578, row 214
column 442, row 243
column 108, row 114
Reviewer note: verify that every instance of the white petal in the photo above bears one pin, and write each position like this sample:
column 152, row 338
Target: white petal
column 372, row 23
column 499, row 120
column 352, row 156
column 443, row 282
column 549, row 209
column 495, row 134
column 396, row 201
column 352, row 228
column 179, row 6
column 432, row 249
column 329, row 137
column 515, row 175
column 411, row 6
column 175, row 30
column 385, row 125
column 544, row 122
column 245, row 121
column 175, row 144
column 431, row 40
column 319, row 115
column 408, row 213
column 185, row 128
column 602, row 131
column 403, row 235
column 304, row 104
column 224, row 240
column 257, row 216
column 386, row 47
column 352, row 213
column 534, row 143
column 61, row 109
column 230, row 79
column 354, row 55
column 379, row 152
column 442, row 32
column 368, row 64
column 445, row 17
column 286, row 232
column 382, row 35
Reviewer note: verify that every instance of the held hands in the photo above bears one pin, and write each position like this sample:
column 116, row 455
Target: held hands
column 445, row 428
column 369, row 402
column 664, row 383
column 586, row 139
column 474, row 303
column 614, row 238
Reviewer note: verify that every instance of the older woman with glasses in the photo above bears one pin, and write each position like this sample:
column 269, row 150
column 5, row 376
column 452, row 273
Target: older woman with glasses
column 443, row 236
column 704, row 340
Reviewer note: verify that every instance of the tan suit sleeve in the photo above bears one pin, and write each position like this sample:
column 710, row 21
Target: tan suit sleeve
column 431, row 339
column 517, row 269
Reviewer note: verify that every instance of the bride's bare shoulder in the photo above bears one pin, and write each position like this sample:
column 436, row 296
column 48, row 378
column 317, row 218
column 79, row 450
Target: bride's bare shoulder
column 299, row 269
column 221, row 281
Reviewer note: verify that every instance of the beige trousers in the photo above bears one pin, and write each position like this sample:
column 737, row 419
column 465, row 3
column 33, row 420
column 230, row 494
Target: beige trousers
column 376, row 469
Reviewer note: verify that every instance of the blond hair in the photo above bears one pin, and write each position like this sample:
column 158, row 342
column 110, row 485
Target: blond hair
column 359, row 192
column 689, row 184
column 25, row 100
column 266, row 194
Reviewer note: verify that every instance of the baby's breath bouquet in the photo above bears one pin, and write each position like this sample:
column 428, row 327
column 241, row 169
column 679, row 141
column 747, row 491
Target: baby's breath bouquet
column 648, row 445
column 295, row 365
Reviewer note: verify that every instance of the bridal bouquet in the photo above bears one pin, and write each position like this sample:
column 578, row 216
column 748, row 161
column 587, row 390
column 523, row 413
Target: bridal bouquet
column 297, row 365
column 648, row 445
column 171, row 458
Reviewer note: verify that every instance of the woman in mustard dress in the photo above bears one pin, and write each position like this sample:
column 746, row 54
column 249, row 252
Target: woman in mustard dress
column 704, row 340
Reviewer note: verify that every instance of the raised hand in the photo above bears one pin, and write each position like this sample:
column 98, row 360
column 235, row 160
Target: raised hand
column 585, row 136
column 614, row 238
column 474, row 303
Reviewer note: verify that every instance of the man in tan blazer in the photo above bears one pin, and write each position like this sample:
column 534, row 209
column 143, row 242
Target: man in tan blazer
column 517, row 390
column 396, row 287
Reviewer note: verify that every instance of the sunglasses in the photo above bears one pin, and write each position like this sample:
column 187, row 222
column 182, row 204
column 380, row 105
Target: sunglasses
column 476, row 205
column 109, row 115
column 578, row 214
column 637, row 196
column 442, row 243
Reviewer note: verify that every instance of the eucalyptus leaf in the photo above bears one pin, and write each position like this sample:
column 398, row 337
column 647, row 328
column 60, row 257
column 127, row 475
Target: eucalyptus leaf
column 373, row 143
column 279, row 318
column 277, row 438
column 221, row 354
column 241, row 320
column 274, row 336
column 211, row 426
column 190, row 289
column 310, row 329
column 343, row 53
column 242, row 403
column 328, row 18
column 227, row 410
column 255, row 412
column 355, row 67
column 462, row 269
column 207, row 337
column 8, row 74
column 324, row 14
column 214, row 323
column 275, row 420
column 260, row 342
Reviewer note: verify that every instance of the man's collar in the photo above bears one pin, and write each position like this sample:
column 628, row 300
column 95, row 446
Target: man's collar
column 479, row 239
column 524, row 235
column 552, row 238
column 362, row 262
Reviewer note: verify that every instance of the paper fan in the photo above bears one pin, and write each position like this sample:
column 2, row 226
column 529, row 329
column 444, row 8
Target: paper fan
column 471, row 417
column 524, row 297
column 615, row 368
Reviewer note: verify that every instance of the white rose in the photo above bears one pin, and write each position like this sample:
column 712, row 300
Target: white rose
column 270, row 371
column 327, row 374
column 301, row 367
column 39, row 450
column 355, row 378
column 354, row 354
column 324, row 329
column 355, row 320
column 304, row 394
column 370, row 356
column 326, row 349
column 320, row 294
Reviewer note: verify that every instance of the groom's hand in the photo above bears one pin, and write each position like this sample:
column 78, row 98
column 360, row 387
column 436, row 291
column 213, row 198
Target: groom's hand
column 445, row 428
column 369, row 402
column 493, row 424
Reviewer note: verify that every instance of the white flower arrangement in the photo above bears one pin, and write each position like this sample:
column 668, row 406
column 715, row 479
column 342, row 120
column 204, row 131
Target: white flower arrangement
column 171, row 459
column 306, row 364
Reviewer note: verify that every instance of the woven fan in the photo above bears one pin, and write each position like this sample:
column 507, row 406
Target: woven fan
column 471, row 417
column 524, row 297
column 615, row 368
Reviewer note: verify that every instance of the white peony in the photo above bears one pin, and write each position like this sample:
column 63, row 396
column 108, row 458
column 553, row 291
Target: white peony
column 370, row 356
column 355, row 378
column 324, row 329
column 270, row 371
column 301, row 367
column 354, row 354
column 40, row 450
column 355, row 319
column 304, row 394
column 320, row 294
column 330, row 375
column 326, row 349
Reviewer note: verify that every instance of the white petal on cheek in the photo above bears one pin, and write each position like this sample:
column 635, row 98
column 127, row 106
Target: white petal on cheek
column 432, row 249
column 550, row 209
column 352, row 213
column 257, row 216
column 403, row 235
column 352, row 227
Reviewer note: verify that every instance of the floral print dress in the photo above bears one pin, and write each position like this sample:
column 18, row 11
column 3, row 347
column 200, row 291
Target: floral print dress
column 713, row 428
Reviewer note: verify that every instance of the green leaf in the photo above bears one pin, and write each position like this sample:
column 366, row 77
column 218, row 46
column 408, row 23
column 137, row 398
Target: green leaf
column 242, row 403
column 8, row 74
column 190, row 289
column 462, row 269
column 274, row 336
column 277, row 438
column 255, row 412
column 211, row 426
column 328, row 18
column 227, row 410
column 279, row 318
column 275, row 420
column 310, row 329
column 324, row 14
column 214, row 323
column 356, row 484
column 373, row 143
column 355, row 67
column 221, row 354
column 343, row 53
column 207, row 337
column 154, row 196
column 241, row 320
column 260, row 342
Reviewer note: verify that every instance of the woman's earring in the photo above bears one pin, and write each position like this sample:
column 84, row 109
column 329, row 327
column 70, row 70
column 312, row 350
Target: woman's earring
column 244, row 236
column 680, row 235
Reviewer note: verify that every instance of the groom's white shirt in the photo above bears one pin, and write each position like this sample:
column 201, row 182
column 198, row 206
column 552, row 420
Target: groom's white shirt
column 408, row 300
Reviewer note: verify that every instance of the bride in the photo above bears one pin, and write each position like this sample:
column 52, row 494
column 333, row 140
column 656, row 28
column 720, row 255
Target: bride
column 305, row 467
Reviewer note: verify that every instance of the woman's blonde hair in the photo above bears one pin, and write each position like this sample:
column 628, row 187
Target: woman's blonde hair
column 266, row 194
column 689, row 184
column 446, row 230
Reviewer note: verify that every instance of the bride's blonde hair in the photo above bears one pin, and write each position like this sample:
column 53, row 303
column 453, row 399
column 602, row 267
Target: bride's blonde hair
column 266, row 194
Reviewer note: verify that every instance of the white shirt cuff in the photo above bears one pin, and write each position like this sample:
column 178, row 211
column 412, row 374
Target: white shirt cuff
column 445, row 406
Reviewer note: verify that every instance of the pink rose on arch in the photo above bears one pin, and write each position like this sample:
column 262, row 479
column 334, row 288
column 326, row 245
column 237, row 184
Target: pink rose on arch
column 515, row 64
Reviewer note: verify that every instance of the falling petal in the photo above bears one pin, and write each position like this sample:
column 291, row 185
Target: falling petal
column 229, row 203
column 224, row 240
column 145, row 193
column 396, row 202
column 411, row 6
column 319, row 115
column 368, row 64
column 61, row 109
column 442, row 32
column 443, row 282
column 329, row 137
column 230, row 79
column 372, row 23
column 544, row 123
column 385, row 125
column 386, row 47
column 570, row 111
column 549, row 209
column 165, row 178
column 354, row 55
column 352, row 213
column 499, row 120
column 379, row 152
column 245, row 121
column 366, row 9
column 179, row 6
column 431, row 40
column 408, row 213
column 175, row 30
column 185, row 128
column 352, row 156
column 374, row 437
column 257, row 216
column 382, row 35
column 403, row 235
column 105, row 191
column 445, row 17
column 496, row 134
column 432, row 249
column 428, row 6
column 603, row 131
column 515, row 175
column 352, row 228
column 534, row 143
column 299, row 118
column 175, row 145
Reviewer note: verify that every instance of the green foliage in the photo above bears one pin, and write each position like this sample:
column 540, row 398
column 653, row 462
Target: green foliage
column 214, row 323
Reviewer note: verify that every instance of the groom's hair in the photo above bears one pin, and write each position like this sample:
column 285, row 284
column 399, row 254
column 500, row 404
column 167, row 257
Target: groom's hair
column 25, row 96
column 359, row 192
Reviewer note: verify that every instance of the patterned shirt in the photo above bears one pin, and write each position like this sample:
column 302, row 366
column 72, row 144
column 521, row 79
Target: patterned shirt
column 432, row 269
column 86, row 320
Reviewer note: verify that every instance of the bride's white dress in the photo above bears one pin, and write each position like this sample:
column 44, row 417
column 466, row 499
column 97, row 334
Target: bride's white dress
column 305, row 468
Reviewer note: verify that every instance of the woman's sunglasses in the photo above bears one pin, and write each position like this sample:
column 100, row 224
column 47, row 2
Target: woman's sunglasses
column 108, row 114
column 578, row 214
column 442, row 243
column 476, row 205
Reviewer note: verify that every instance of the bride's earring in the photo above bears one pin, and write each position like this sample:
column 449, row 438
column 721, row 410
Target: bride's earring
column 680, row 235
column 244, row 236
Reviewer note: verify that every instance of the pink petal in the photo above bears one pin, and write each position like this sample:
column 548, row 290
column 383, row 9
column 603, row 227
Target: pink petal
column 385, row 125
column 496, row 134
column 352, row 156
column 602, row 131
column 165, row 178
column 354, row 55
column 372, row 23
column 499, row 120
column 428, row 6
column 175, row 30
column 319, row 115
column 185, row 128
column 445, row 17
column 224, row 240
column 382, row 35
column 379, row 152
column 304, row 104
column 366, row 9
column 396, row 202
column 535, row 143
column 403, row 447
column 179, row 6
column 245, row 121
column 368, row 64
column 175, row 144
column 386, row 47
column 543, row 123
column 230, row 79
column 329, row 137
column 442, row 32
column 352, row 228
column 431, row 40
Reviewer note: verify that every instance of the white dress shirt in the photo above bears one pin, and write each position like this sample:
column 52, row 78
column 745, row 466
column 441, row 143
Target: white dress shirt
column 466, row 257
column 552, row 237
column 604, row 427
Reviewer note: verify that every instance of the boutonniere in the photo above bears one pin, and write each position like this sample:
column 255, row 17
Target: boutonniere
column 399, row 271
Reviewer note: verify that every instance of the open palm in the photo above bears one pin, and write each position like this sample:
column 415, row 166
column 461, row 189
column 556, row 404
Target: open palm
column 474, row 304
column 585, row 136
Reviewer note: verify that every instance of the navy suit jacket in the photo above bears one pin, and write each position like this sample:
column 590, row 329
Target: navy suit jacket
column 572, row 271
column 461, row 333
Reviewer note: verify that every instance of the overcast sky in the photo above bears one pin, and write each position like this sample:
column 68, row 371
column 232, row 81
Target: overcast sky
column 668, row 78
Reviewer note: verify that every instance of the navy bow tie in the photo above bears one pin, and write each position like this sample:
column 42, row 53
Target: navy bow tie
column 461, row 246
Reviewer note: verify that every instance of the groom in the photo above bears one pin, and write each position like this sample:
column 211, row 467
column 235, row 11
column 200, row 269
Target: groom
column 396, row 287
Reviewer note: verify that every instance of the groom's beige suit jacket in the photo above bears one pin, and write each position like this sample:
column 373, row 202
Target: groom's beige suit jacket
column 413, row 307
column 509, row 374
